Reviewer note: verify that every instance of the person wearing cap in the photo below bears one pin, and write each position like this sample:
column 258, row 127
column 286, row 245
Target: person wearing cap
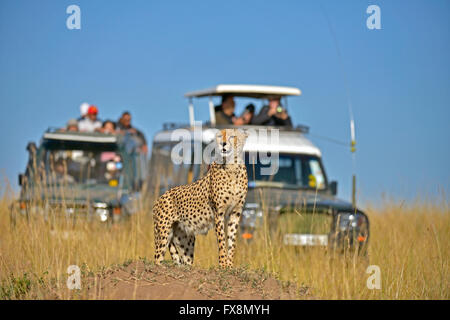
column 273, row 114
column 72, row 125
column 84, row 107
column 91, row 123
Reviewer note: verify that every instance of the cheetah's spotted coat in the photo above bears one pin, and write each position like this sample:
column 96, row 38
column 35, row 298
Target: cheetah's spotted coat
column 215, row 200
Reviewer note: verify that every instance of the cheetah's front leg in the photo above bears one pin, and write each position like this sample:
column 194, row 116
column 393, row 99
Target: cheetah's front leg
column 221, row 241
column 232, row 228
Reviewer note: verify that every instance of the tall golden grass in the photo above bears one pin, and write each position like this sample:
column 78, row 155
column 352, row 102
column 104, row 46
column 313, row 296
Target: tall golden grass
column 409, row 243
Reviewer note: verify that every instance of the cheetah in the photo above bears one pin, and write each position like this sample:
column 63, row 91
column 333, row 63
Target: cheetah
column 216, row 201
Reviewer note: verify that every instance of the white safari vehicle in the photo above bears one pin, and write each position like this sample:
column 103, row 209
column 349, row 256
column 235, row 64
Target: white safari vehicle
column 288, row 187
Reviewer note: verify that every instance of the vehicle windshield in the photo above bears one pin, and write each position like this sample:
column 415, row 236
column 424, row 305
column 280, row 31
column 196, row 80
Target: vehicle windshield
column 294, row 171
column 83, row 166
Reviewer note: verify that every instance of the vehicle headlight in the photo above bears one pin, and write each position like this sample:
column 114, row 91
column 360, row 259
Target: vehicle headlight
column 101, row 210
column 349, row 221
column 102, row 213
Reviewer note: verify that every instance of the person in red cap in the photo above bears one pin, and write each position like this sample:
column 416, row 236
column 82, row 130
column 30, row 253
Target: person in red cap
column 91, row 123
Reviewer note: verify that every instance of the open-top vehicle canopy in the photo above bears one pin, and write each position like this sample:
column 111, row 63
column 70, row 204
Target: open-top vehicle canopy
column 238, row 90
column 245, row 90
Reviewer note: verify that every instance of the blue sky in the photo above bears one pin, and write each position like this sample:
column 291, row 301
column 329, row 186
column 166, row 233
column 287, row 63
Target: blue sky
column 143, row 56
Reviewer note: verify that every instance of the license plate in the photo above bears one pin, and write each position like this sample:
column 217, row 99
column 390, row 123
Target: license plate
column 295, row 239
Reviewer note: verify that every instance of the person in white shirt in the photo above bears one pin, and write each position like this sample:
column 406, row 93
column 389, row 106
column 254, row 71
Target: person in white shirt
column 91, row 123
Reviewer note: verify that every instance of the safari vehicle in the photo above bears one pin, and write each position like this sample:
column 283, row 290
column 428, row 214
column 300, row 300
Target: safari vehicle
column 298, row 200
column 92, row 176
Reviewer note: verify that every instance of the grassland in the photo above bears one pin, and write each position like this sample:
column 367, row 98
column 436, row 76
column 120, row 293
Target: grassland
column 409, row 243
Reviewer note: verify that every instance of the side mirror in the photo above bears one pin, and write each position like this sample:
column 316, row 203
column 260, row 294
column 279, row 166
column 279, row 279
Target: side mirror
column 20, row 179
column 333, row 187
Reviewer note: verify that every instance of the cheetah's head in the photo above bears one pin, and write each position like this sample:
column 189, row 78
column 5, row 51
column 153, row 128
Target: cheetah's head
column 230, row 143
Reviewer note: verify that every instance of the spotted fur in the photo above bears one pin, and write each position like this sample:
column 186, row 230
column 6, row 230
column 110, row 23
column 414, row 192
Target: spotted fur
column 216, row 201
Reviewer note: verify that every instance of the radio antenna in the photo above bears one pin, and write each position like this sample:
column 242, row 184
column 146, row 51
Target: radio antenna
column 350, row 109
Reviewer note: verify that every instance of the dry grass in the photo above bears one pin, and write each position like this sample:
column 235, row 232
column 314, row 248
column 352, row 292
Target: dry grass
column 410, row 244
